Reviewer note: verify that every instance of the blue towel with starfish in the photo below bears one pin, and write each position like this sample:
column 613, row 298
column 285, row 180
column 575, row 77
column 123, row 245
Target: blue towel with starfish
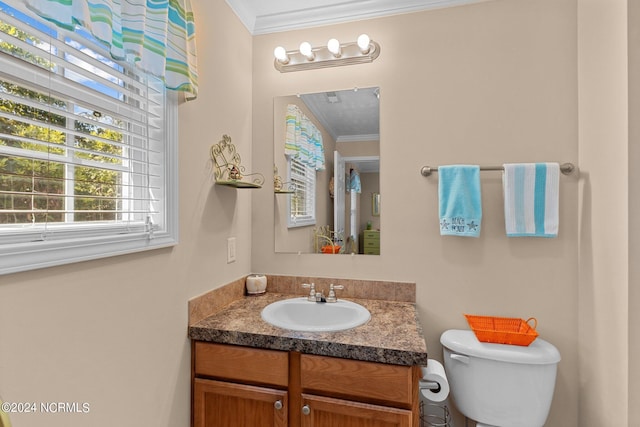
column 460, row 204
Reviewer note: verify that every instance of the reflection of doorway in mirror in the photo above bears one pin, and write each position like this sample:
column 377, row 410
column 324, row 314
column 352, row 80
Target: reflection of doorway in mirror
column 354, row 216
column 339, row 202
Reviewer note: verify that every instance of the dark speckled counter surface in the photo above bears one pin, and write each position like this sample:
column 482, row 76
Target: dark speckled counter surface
column 392, row 335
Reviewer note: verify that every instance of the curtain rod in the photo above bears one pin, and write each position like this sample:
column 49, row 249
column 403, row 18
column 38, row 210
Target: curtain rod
column 565, row 168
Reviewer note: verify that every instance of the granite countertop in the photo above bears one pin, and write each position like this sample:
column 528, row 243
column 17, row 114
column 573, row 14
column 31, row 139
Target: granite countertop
column 393, row 335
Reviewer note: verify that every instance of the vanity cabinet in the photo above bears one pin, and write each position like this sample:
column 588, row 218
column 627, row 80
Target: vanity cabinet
column 240, row 386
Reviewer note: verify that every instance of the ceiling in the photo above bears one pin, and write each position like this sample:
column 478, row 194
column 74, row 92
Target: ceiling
column 271, row 16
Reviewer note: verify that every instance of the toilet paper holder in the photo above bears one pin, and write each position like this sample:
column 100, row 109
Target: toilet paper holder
column 430, row 385
column 434, row 390
column 434, row 415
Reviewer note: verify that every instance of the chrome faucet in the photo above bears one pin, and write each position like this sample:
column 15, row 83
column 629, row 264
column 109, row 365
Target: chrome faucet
column 319, row 296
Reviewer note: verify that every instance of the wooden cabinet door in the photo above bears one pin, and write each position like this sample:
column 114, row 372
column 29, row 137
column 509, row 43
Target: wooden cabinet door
column 222, row 404
column 328, row 412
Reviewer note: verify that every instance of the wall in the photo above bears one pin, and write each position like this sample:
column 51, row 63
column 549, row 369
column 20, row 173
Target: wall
column 113, row 332
column 633, row 22
column 604, row 196
column 487, row 83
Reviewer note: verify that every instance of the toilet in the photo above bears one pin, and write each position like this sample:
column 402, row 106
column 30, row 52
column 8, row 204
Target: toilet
column 499, row 385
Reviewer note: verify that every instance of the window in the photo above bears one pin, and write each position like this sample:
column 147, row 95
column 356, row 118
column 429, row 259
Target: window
column 87, row 149
column 302, row 203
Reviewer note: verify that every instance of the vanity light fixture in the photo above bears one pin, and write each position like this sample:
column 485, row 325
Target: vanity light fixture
column 334, row 54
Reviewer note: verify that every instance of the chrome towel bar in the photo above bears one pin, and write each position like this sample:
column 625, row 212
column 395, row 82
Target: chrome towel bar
column 565, row 168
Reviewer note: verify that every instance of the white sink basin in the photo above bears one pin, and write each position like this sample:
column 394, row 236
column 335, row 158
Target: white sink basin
column 298, row 314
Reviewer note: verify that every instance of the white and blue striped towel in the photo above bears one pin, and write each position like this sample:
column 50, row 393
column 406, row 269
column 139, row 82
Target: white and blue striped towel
column 531, row 199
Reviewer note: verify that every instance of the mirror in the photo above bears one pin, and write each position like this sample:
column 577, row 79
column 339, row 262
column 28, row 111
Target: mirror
column 327, row 172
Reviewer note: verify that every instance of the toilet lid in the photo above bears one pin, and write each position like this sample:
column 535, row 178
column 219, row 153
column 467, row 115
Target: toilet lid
column 539, row 352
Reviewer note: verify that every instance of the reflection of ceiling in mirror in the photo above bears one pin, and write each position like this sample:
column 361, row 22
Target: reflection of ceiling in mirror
column 348, row 115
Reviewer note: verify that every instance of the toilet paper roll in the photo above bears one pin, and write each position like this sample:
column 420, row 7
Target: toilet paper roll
column 434, row 372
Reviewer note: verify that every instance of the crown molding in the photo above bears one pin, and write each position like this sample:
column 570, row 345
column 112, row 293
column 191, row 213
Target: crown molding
column 321, row 14
column 245, row 14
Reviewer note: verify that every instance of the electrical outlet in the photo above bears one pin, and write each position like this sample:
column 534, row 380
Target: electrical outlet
column 231, row 250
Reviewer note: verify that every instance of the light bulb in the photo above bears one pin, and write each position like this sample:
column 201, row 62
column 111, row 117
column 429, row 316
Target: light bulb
column 333, row 46
column 363, row 43
column 281, row 54
column 305, row 49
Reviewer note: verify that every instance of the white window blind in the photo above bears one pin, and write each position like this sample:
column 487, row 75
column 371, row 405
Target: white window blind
column 87, row 149
column 302, row 203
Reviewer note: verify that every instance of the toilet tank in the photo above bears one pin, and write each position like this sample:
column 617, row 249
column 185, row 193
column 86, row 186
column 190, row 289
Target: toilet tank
column 498, row 384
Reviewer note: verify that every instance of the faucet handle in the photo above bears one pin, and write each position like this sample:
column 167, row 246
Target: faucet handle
column 332, row 293
column 312, row 291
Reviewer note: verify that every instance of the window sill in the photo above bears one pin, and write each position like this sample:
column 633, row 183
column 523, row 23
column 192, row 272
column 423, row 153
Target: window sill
column 36, row 255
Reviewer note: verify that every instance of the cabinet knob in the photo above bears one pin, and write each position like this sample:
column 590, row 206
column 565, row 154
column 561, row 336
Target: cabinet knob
column 278, row 404
column 306, row 410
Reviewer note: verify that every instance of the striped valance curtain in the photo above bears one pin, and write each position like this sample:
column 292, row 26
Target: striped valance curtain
column 157, row 35
column 303, row 139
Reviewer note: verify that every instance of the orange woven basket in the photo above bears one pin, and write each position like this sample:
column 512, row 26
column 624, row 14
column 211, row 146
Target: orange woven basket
column 503, row 330
column 331, row 249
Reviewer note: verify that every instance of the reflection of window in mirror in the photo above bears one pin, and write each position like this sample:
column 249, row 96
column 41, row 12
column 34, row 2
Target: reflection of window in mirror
column 302, row 204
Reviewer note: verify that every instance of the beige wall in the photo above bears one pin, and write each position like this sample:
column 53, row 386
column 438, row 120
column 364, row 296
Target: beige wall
column 634, row 208
column 359, row 148
column 113, row 332
column 488, row 83
column 604, row 221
